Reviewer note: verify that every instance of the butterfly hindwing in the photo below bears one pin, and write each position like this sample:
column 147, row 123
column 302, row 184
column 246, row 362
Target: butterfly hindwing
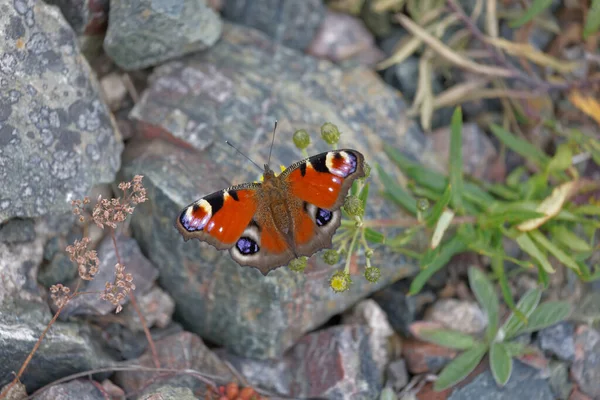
column 220, row 218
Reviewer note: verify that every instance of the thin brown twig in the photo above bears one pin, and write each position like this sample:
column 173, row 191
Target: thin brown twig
column 137, row 309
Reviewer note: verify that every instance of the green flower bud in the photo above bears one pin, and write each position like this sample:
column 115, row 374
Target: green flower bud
column 372, row 274
column 331, row 257
column 353, row 206
column 301, row 139
column 367, row 169
column 422, row 204
column 330, row 133
column 340, row 281
column 298, row 264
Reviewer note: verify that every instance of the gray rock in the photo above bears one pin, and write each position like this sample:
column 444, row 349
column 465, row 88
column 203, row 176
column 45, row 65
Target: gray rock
column 57, row 138
column 67, row 348
column 144, row 33
column 291, row 23
column 168, row 392
column 89, row 17
column 525, row 383
column 334, row 363
column 396, row 375
column 559, row 340
column 144, row 275
column 236, row 90
column 559, row 379
column 156, row 306
column 458, row 315
column 77, row 389
column 17, row 230
column 184, row 351
column 585, row 369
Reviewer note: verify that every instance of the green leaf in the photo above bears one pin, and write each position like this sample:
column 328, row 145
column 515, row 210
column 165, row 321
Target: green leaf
column 510, row 217
column 486, row 296
column 364, row 194
column 554, row 250
column 501, row 363
column 421, row 174
column 588, row 209
column 515, row 349
column 446, row 251
column 526, row 305
column 592, row 22
column 536, row 8
column 439, row 207
column 562, row 159
column 569, row 239
column 520, row 146
column 456, row 159
column 528, row 246
column 498, row 268
column 514, row 179
column 441, row 227
column 545, row 315
column 397, row 193
column 460, row 367
column 447, row 338
column 373, row 236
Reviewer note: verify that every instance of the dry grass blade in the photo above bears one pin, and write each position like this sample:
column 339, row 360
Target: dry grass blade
column 491, row 18
column 586, row 104
column 381, row 6
column 551, row 205
column 405, row 51
column 461, row 93
column 449, row 54
column 531, row 53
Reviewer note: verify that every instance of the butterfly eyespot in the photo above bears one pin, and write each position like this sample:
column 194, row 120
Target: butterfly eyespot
column 323, row 217
column 247, row 246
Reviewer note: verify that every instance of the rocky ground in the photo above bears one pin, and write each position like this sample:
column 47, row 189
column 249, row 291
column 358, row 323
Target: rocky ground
column 93, row 94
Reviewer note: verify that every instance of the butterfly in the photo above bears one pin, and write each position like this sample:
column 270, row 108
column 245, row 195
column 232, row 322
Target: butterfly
column 266, row 225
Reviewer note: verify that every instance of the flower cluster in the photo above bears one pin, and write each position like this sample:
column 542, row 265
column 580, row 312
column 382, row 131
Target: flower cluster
column 78, row 207
column 110, row 212
column 115, row 292
column 60, row 295
column 87, row 260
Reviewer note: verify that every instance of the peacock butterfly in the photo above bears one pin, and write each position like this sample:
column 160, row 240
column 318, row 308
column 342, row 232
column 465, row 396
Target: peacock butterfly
column 266, row 225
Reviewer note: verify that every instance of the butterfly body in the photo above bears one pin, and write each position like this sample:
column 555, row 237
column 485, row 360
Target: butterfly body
column 266, row 225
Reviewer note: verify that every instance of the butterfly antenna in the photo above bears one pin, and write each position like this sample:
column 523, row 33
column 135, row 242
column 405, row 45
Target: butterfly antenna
column 272, row 141
column 245, row 156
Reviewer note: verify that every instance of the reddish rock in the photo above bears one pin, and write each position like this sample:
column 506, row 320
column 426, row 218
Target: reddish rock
column 422, row 357
column 585, row 369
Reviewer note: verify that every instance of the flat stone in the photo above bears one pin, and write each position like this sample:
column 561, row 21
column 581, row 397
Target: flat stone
column 334, row 363
column 79, row 389
column 525, row 383
column 585, row 369
column 17, row 230
column 290, row 23
column 168, row 392
column 144, row 33
column 457, row 315
column 558, row 340
column 422, row 357
column 57, row 137
column 235, row 91
column 179, row 351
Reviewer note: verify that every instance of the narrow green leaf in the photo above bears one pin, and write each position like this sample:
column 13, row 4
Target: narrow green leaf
column 501, row 191
column 447, row 338
column 587, row 209
column 486, row 296
column 397, row 193
column 510, row 217
column 364, row 195
column 545, row 315
column 446, row 251
column 537, row 7
column 554, row 250
column 514, row 179
column 567, row 238
column 498, row 268
column 528, row 246
column 460, row 367
column 501, row 363
column 438, row 208
column 441, row 227
column 456, row 159
column 373, row 236
column 592, row 22
column 422, row 175
column 515, row 349
column 520, row 146
column 526, row 305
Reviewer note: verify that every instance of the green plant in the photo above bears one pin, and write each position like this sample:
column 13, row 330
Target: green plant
column 499, row 341
column 532, row 209
column 353, row 236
